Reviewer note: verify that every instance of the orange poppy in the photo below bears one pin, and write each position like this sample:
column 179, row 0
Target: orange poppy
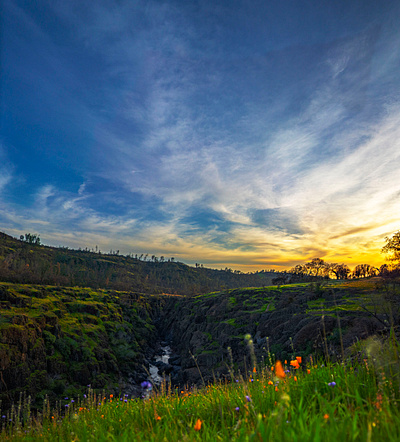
column 197, row 425
column 298, row 359
column 295, row 363
column 280, row 372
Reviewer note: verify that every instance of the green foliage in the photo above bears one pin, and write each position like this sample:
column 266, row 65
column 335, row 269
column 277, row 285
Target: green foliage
column 329, row 402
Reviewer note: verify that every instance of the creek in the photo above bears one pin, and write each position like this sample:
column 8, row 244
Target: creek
column 159, row 362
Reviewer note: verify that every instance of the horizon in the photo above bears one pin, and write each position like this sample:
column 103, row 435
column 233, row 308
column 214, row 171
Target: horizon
column 248, row 136
column 148, row 257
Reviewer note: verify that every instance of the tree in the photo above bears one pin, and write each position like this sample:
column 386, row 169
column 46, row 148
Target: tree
column 31, row 238
column 364, row 271
column 392, row 247
column 341, row 271
column 316, row 267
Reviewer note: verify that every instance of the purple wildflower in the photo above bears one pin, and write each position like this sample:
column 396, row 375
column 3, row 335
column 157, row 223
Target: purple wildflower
column 85, row 396
column 237, row 408
column 248, row 398
column 146, row 385
column 332, row 384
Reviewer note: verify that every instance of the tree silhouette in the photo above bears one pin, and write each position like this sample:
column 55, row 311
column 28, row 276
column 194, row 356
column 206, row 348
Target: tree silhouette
column 392, row 247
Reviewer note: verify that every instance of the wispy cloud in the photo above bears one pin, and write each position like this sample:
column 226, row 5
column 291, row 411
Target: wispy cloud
column 180, row 145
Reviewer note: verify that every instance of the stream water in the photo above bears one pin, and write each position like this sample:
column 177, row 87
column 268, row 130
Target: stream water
column 153, row 369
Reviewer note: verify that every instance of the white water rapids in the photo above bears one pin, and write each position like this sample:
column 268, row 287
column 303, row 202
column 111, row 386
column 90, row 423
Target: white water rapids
column 164, row 357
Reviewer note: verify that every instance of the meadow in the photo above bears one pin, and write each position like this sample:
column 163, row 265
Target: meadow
column 298, row 399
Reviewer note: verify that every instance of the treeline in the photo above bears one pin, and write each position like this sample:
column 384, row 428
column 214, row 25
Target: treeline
column 26, row 261
column 320, row 268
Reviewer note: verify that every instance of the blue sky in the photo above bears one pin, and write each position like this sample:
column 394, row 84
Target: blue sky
column 232, row 133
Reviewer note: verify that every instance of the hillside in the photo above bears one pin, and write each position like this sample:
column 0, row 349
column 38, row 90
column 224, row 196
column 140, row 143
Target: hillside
column 296, row 319
column 75, row 318
column 25, row 263
column 54, row 341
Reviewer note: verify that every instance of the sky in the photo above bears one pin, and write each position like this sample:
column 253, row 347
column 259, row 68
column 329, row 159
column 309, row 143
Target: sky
column 249, row 135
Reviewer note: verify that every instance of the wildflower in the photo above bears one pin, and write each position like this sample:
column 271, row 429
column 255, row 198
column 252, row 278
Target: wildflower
column 295, row 364
column 326, row 416
column 72, row 401
column 332, row 384
column 197, row 425
column 308, row 371
column 236, row 380
column 85, row 396
column 248, row 398
column 270, row 383
column 111, row 395
column 237, row 409
column 295, row 378
column 158, row 418
column 276, row 388
column 279, row 370
column 298, row 358
column 146, row 385
column 254, row 370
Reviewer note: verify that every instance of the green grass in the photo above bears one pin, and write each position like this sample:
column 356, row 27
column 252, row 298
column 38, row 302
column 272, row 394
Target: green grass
column 305, row 406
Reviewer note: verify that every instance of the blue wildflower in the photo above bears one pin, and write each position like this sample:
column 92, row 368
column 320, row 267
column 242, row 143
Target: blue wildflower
column 146, row 385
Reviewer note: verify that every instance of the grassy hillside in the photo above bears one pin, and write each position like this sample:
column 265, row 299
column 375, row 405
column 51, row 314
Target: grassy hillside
column 25, row 263
column 302, row 400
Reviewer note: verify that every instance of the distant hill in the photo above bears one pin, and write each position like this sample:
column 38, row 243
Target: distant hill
column 22, row 262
